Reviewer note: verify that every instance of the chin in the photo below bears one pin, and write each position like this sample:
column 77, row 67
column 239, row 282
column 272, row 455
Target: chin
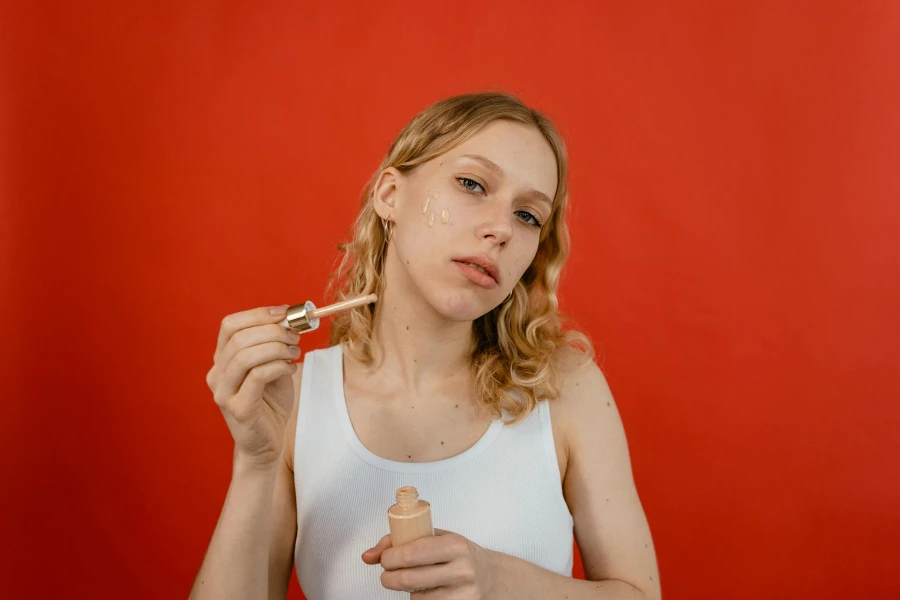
column 462, row 305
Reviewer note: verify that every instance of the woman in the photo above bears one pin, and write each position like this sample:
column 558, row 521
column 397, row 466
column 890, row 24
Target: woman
column 459, row 381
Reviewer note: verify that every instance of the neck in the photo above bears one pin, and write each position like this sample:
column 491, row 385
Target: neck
column 423, row 351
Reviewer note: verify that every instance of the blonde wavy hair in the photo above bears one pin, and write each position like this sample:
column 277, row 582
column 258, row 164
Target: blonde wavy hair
column 515, row 345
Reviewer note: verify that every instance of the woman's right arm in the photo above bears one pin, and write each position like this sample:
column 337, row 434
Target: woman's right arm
column 284, row 510
column 244, row 506
column 253, row 381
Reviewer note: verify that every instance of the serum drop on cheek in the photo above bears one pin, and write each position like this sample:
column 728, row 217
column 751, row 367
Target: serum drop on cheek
column 425, row 205
column 445, row 216
column 431, row 219
column 410, row 518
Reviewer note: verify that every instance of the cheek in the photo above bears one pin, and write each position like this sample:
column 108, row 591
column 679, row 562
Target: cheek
column 427, row 203
column 434, row 210
column 429, row 237
column 520, row 263
column 423, row 241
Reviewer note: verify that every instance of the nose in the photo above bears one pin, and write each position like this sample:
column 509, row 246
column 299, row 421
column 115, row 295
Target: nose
column 497, row 224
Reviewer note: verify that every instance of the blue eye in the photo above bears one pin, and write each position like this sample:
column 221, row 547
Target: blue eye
column 471, row 186
column 530, row 218
column 465, row 183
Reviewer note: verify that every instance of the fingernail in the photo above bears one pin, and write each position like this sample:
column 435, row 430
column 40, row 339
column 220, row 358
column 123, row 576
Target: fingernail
column 278, row 310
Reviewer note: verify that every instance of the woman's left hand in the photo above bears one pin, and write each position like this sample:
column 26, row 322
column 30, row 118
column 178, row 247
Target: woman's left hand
column 446, row 565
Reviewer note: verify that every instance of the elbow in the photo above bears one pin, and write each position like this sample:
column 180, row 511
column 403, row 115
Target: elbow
column 649, row 591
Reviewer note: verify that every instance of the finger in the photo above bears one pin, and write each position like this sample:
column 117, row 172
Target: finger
column 422, row 578
column 246, row 402
column 246, row 360
column 372, row 556
column 246, row 338
column 428, row 550
column 248, row 318
column 438, row 593
column 254, row 336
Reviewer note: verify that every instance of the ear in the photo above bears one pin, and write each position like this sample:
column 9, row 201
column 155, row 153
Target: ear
column 384, row 192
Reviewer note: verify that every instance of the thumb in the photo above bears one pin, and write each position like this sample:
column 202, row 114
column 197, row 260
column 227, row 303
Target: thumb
column 372, row 556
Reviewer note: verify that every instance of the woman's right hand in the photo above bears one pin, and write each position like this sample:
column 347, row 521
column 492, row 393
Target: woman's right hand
column 251, row 381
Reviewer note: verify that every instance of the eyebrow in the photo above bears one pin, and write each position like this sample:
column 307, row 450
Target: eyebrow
column 495, row 168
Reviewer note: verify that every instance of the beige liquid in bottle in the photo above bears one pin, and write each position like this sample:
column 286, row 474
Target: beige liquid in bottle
column 410, row 518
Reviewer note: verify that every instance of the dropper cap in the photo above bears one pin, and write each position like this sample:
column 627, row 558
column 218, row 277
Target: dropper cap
column 299, row 318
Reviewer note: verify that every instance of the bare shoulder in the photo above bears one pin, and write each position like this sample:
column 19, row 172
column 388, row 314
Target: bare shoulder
column 290, row 431
column 585, row 404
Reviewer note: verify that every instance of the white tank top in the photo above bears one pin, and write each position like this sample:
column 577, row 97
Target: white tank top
column 503, row 493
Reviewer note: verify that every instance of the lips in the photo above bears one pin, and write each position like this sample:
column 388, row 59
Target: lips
column 479, row 269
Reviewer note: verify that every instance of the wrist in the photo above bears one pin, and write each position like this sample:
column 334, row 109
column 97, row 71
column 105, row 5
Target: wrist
column 497, row 572
column 253, row 467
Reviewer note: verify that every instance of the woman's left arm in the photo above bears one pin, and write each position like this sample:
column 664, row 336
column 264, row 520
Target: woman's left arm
column 610, row 526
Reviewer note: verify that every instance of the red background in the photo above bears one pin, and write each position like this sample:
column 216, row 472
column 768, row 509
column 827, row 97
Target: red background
column 735, row 224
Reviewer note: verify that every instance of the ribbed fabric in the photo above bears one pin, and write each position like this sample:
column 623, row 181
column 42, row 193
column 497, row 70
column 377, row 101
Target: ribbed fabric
column 503, row 493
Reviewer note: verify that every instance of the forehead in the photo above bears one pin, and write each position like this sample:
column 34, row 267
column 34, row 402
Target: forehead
column 521, row 151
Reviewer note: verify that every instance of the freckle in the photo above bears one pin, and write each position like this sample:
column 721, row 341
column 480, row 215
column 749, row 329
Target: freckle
column 415, row 407
column 407, row 262
column 457, row 406
column 607, row 499
column 576, row 384
column 445, row 216
column 651, row 578
column 607, row 403
column 407, row 327
column 409, row 456
column 442, row 443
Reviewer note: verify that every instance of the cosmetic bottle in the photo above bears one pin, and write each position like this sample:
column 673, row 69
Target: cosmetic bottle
column 410, row 518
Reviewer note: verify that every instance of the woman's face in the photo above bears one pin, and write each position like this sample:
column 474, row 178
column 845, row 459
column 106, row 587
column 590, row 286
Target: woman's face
column 480, row 203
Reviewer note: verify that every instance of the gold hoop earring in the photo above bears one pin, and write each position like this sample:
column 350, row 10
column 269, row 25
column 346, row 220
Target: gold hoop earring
column 388, row 229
